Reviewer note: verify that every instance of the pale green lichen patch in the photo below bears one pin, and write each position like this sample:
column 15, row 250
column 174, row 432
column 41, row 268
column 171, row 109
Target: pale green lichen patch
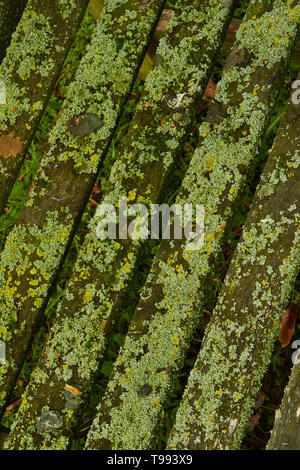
column 167, row 313
column 66, row 7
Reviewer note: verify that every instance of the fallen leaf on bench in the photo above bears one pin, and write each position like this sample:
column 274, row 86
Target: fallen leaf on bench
column 287, row 327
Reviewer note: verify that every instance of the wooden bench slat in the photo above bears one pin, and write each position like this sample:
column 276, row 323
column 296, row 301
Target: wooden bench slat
column 10, row 14
column 29, row 71
column 239, row 340
column 104, row 269
column 168, row 311
column 36, row 246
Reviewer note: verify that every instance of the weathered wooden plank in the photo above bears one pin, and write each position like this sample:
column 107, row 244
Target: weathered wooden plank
column 104, row 269
column 10, row 14
column 168, row 311
column 29, row 72
column 238, row 343
column 36, row 246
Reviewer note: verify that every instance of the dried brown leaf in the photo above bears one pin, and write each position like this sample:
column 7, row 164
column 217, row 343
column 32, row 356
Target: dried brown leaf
column 254, row 420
